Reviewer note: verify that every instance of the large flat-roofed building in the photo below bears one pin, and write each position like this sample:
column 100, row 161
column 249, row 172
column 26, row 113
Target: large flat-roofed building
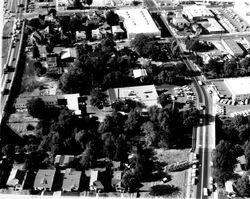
column 232, row 47
column 197, row 12
column 238, row 87
column 242, row 8
column 144, row 94
column 137, row 21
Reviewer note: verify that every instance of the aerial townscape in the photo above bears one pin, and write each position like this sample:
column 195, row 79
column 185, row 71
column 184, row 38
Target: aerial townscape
column 125, row 98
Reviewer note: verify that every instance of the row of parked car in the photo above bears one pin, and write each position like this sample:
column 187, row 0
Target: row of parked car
column 231, row 102
column 244, row 113
column 187, row 90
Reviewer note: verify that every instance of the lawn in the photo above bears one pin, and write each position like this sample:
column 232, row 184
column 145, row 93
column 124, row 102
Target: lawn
column 175, row 188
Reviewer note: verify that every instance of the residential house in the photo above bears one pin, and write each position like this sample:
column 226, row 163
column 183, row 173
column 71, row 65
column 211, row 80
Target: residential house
column 44, row 179
column 16, row 179
column 117, row 181
column 63, row 160
column 96, row 34
column 116, row 165
column 95, row 184
column 71, row 180
column 137, row 73
column 68, row 54
column 118, row 32
column 52, row 64
column 180, row 21
column 21, row 102
column 80, row 35
column 240, row 167
column 229, row 186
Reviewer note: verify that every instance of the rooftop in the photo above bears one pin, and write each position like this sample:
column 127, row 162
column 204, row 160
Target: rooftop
column 16, row 176
column 71, row 180
column 238, row 86
column 72, row 102
column 198, row 11
column 138, row 21
column 63, row 160
column 146, row 94
column 44, row 178
column 233, row 46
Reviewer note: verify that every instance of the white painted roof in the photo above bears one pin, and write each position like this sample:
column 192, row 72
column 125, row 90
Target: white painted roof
column 138, row 21
column 238, row 86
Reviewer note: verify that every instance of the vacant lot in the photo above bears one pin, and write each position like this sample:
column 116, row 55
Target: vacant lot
column 175, row 188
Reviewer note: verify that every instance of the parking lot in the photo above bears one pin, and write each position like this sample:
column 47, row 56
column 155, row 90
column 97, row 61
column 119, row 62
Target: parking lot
column 182, row 94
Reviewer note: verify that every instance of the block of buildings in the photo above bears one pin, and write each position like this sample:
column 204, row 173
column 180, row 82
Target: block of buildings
column 69, row 100
column 238, row 87
column 138, row 21
column 44, row 179
column 197, row 12
column 232, row 47
column 145, row 94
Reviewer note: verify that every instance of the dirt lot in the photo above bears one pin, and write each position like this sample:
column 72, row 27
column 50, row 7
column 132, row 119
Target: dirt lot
column 178, row 180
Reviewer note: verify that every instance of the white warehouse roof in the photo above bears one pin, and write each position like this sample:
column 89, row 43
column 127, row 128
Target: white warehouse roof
column 138, row 21
column 197, row 11
column 238, row 86
column 146, row 94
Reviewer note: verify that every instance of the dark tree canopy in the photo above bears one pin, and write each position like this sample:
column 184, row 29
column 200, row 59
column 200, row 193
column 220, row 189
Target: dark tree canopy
column 243, row 186
column 112, row 18
column 36, row 108
column 224, row 159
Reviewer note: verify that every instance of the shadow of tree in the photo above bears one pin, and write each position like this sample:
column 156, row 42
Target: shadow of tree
column 160, row 190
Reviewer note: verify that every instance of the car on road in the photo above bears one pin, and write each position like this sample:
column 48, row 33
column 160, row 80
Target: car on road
column 196, row 156
column 202, row 107
column 8, row 81
column 194, row 181
column 201, row 121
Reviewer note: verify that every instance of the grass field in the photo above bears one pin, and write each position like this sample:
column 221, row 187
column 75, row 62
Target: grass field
column 178, row 181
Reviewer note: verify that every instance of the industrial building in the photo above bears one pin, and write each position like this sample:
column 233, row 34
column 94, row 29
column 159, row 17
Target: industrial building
column 242, row 8
column 232, row 47
column 144, row 94
column 197, row 12
column 138, row 21
column 238, row 87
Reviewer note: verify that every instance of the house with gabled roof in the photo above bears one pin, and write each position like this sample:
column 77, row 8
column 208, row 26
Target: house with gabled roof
column 94, row 183
column 116, row 181
column 44, row 179
column 17, row 179
column 71, row 180
column 63, row 160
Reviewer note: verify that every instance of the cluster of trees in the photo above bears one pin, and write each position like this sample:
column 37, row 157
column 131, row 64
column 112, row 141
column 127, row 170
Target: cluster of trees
column 147, row 47
column 233, row 136
column 59, row 131
column 100, row 67
column 193, row 44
